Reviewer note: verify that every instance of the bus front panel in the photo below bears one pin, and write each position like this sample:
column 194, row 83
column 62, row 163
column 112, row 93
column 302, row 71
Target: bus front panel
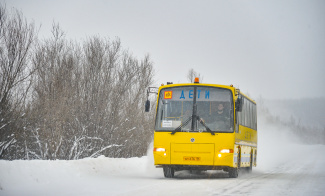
column 194, row 148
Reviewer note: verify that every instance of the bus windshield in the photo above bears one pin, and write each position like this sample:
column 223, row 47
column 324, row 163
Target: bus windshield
column 212, row 109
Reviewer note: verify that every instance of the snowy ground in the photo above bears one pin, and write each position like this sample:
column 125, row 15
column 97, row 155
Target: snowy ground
column 284, row 168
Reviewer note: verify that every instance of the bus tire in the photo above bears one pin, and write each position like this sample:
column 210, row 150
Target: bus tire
column 250, row 168
column 169, row 172
column 233, row 172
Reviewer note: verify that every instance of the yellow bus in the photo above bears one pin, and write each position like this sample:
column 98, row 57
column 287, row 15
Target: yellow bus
column 204, row 127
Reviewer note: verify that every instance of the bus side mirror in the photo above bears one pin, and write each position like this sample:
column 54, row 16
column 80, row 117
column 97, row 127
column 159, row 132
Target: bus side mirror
column 239, row 104
column 147, row 106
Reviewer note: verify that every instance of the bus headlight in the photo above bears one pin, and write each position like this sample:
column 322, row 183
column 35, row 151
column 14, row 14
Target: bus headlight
column 226, row 151
column 159, row 150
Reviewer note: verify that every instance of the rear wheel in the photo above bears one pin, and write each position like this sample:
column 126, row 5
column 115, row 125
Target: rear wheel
column 168, row 172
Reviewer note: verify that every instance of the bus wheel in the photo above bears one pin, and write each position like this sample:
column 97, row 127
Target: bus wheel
column 168, row 172
column 233, row 172
column 250, row 168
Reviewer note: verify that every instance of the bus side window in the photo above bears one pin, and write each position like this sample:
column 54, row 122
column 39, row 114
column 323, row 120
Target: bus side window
column 243, row 114
column 246, row 113
column 240, row 114
column 255, row 117
column 250, row 115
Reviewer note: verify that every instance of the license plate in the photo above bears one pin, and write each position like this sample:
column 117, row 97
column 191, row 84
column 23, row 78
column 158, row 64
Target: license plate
column 192, row 158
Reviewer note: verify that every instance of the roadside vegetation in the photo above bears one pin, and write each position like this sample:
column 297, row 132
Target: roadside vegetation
column 61, row 99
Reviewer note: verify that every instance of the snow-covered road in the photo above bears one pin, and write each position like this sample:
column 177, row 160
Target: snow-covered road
column 296, row 170
column 285, row 167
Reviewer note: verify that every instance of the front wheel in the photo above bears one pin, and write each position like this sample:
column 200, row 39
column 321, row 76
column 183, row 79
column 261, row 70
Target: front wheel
column 168, row 172
column 250, row 168
column 233, row 172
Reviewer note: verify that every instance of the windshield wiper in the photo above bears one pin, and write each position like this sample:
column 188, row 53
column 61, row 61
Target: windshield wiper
column 204, row 125
column 179, row 128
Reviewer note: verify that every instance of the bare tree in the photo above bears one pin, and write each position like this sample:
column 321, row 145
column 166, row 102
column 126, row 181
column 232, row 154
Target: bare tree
column 88, row 100
column 16, row 39
column 191, row 75
column 85, row 99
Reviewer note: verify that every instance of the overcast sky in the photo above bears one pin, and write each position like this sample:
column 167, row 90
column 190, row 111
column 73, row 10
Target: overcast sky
column 273, row 49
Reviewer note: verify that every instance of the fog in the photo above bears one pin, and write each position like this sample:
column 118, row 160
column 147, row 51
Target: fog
column 273, row 49
column 277, row 145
